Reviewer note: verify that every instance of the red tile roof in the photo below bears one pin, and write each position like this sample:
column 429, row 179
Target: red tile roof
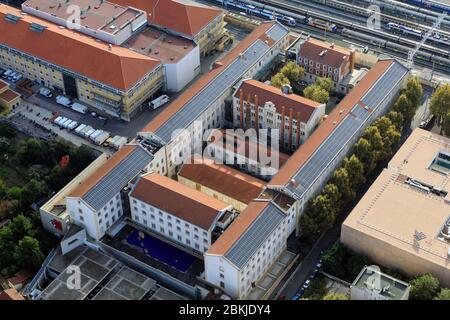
column 267, row 93
column 3, row 84
column 197, row 86
column 179, row 200
column 307, row 149
column 118, row 67
column 185, row 17
column 334, row 56
column 9, row 95
column 223, row 179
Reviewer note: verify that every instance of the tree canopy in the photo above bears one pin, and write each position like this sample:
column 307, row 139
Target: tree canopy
column 440, row 103
column 316, row 93
column 424, row 287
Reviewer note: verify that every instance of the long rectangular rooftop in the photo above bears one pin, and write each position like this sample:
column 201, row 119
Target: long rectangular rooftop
column 192, row 103
column 312, row 158
column 123, row 166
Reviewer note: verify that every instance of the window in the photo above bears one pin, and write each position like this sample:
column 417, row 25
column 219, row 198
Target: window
column 222, row 284
column 222, row 276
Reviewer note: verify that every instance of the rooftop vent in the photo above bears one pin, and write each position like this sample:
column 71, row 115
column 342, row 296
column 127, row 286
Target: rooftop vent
column 109, row 46
column 332, row 45
column 323, row 53
column 11, row 18
column 37, row 27
column 112, row 27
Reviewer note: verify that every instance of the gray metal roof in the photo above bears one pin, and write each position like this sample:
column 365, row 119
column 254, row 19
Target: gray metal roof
column 253, row 238
column 117, row 178
column 344, row 132
column 219, row 85
column 276, row 32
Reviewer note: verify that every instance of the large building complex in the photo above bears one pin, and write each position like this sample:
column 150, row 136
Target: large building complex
column 237, row 251
column 301, row 177
column 181, row 126
column 114, row 58
column 294, row 116
column 191, row 20
column 402, row 222
column 113, row 79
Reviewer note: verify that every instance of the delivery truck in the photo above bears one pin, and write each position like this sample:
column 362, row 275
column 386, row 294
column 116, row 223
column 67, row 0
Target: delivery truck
column 158, row 102
column 78, row 107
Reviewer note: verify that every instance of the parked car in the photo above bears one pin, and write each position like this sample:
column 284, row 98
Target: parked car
column 43, row 91
column 7, row 73
column 306, row 284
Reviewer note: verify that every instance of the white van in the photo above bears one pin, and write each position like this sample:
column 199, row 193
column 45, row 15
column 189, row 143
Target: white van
column 158, row 102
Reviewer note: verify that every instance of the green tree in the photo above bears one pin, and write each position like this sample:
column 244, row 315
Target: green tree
column 424, row 287
column 446, row 125
column 20, row 227
column 335, row 296
column 33, row 151
column 440, row 103
column 363, row 151
column 325, row 83
column 404, row 106
column 32, row 191
column 396, row 119
column 279, row 80
column 6, row 130
column 5, row 144
column 28, row 254
column 292, row 71
column 316, row 93
column 3, row 189
column 331, row 191
column 355, row 170
column 333, row 260
column 373, row 136
column 444, row 294
column 390, row 138
column 317, row 289
column 318, row 217
column 341, row 179
column 354, row 264
column 414, row 92
column 14, row 193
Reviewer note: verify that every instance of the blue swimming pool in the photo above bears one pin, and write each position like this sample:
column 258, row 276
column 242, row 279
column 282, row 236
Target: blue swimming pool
column 161, row 251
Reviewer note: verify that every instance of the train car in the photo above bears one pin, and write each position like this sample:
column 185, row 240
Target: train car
column 364, row 37
column 287, row 20
column 321, row 24
column 403, row 29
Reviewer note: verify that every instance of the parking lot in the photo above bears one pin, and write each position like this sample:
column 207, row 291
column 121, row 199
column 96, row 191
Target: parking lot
column 36, row 120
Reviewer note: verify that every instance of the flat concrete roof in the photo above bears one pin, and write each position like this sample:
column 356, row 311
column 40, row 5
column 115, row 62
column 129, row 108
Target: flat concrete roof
column 160, row 45
column 370, row 278
column 403, row 215
column 97, row 15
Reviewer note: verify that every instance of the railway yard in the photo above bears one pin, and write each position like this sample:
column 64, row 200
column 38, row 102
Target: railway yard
column 386, row 27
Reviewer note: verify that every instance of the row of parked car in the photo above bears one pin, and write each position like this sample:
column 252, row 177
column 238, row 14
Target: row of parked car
column 307, row 283
column 10, row 75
